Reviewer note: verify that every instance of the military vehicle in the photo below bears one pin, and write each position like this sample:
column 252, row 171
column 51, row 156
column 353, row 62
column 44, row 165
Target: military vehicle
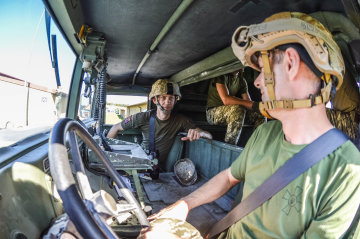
column 95, row 187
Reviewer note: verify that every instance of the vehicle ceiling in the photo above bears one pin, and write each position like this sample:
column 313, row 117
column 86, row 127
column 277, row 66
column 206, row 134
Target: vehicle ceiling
column 205, row 27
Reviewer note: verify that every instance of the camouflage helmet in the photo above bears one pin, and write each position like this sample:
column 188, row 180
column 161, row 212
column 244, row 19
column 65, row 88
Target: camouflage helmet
column 291, row 28
column 165, row 87
column 185, row 172
column 177, row 227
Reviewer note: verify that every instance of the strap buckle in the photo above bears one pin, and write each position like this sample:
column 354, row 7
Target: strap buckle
column 288, row 104
column 267, row 105
column 312, row 100
column 153, row 155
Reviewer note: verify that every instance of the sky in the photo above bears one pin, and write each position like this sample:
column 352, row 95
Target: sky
column 24, row 51
column 24, row 54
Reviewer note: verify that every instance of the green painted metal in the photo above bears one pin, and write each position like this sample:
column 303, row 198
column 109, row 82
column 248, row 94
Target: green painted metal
column 138, row 187
column 211, row 157
column 27, row 203
column 217, row 64
column 174, row 154
column 94, row 50
column 212, row 73
column 127, row 90
column 75, row 88
column 10, row 154
column 338, row 22
column 352, row 8
column 70, row 18
column 172, row 20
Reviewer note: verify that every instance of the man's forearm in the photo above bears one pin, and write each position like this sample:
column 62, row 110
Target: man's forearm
column 195, row 134
column 232, row 100
column 212, row 190
column 114, row 130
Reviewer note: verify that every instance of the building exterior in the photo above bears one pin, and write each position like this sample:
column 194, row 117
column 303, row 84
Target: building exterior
column 26, row 104
column 115, row 113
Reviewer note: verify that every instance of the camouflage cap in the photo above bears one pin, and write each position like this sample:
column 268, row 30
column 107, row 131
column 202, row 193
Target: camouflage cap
column 181, row 229
column 165, row 87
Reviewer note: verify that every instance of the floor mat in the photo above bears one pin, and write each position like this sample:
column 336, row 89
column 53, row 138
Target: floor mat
column 167, row 190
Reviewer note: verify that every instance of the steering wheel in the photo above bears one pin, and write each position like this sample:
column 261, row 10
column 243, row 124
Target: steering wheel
column 86, row 212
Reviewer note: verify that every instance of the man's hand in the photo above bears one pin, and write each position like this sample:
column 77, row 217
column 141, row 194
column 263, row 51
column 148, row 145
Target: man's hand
column 195, row 134
column 178, row 210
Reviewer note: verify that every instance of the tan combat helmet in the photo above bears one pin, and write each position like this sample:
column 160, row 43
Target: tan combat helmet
column 165, row 87
column 291, row 28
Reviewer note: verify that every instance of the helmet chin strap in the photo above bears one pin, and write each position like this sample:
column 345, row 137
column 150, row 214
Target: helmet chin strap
column 289, row 103
column 268, row 75
column 166, row 112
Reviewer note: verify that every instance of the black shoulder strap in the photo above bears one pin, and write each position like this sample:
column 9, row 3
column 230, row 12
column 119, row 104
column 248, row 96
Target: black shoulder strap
column 294, row 167
column 152, row 149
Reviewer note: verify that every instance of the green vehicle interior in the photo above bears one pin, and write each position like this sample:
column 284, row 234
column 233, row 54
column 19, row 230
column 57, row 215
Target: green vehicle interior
column 122, row 48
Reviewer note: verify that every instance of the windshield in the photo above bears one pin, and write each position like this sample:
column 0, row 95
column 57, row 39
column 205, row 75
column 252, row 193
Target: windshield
column 30, row 98
column 118, row 107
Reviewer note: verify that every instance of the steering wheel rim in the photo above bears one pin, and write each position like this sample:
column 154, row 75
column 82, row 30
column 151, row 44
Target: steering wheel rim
column 84, row 216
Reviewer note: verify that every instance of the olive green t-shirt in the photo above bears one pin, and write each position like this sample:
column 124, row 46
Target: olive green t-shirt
column 235, row 84
column 320, row 203
column 165, row 131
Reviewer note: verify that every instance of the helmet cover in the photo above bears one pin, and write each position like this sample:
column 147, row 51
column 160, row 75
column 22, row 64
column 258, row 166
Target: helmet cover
column 290, row 27
column 165, row 87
